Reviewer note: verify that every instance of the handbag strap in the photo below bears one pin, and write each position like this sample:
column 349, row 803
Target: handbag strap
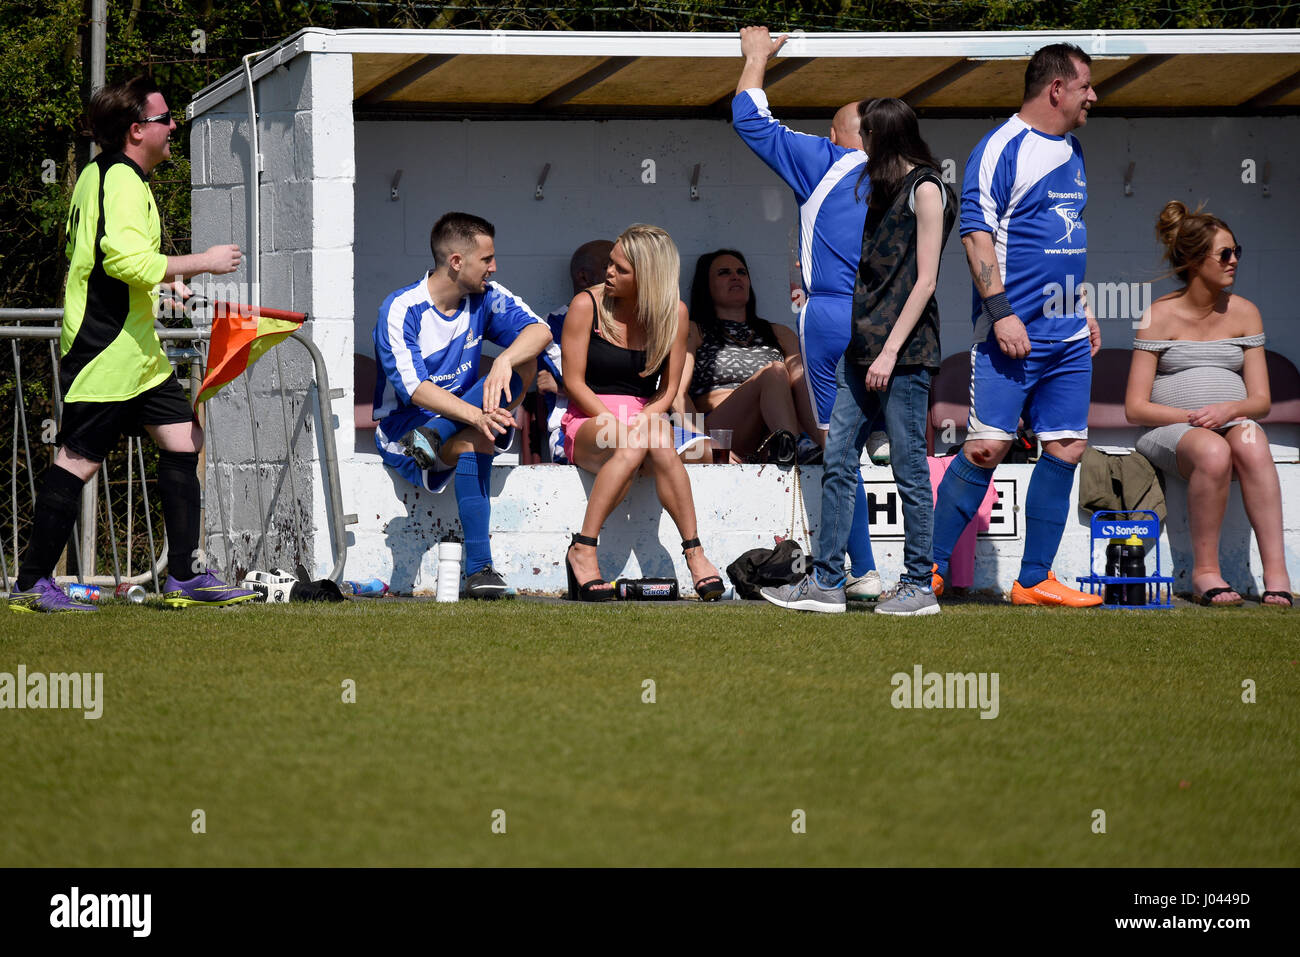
column 798, row 509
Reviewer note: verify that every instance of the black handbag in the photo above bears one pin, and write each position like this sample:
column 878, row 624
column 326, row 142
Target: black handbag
column 760, row 567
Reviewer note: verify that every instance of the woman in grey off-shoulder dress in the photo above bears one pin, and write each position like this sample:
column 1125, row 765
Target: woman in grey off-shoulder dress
column 1199, row 380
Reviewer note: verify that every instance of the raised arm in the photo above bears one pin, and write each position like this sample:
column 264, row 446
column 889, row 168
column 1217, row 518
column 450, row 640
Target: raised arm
column 757, row 47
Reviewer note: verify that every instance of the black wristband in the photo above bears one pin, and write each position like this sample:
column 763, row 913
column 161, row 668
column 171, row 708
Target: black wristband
column 997, row 307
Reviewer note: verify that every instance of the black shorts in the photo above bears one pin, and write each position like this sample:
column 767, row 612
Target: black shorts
column 91, row 429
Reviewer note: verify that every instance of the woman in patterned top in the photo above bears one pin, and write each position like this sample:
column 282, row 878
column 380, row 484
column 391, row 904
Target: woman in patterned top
column 742, row 372
column 1199, row 378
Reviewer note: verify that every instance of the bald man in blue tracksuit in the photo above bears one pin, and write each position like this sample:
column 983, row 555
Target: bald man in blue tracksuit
column 824, row 174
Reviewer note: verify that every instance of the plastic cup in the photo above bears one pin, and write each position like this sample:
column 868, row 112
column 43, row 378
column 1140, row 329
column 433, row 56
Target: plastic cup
column 721, row 439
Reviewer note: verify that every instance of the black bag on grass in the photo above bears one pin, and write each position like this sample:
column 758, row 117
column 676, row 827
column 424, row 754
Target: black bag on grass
column 758, row 567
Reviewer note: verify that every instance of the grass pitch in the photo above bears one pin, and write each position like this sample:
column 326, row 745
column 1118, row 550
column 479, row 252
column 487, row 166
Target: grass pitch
column 536, row 709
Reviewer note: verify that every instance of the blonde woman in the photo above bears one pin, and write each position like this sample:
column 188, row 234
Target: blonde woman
column 624, row 344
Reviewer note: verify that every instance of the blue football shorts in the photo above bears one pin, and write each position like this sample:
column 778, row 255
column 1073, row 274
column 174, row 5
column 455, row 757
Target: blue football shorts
column 1050, row 389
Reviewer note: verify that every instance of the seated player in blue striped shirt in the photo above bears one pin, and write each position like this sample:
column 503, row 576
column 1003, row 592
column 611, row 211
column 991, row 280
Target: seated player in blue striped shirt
column 436, row 416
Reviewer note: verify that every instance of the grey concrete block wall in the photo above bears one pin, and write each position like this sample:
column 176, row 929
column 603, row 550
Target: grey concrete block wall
column 301, row 219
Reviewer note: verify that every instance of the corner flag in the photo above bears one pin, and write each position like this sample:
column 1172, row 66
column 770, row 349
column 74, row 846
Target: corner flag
column 240, row 336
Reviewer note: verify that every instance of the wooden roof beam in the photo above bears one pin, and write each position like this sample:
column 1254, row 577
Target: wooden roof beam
column 582, row 84
column 1130, row 73
column 1273, row 93
column 945, row 77
column 400, row 80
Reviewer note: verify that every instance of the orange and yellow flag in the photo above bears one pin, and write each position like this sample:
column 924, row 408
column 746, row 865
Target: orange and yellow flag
column 240, row 336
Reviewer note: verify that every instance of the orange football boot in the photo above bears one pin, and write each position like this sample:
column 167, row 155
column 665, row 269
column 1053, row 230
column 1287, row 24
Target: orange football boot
column 1052, row 592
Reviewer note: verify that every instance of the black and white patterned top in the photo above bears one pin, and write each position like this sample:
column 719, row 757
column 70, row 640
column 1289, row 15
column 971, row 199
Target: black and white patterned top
column 730, row 360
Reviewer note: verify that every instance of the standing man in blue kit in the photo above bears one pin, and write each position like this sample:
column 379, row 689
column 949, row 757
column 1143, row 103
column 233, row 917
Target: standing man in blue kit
column 1022, row 225
column 823, row 172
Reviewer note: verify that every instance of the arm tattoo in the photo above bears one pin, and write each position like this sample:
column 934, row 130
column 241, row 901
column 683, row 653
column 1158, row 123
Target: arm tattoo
column 986, row 275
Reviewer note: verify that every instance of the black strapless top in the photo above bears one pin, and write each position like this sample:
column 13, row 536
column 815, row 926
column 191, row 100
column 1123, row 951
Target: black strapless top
column 613, row 370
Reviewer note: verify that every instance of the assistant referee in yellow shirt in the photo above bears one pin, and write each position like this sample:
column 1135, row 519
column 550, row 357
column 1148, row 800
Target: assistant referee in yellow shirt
column 114, row 374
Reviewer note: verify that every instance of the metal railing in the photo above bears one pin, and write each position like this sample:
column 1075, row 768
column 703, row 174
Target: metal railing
column 84, row 544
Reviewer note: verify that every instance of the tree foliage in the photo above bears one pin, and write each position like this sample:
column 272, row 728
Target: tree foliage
column 187, row 44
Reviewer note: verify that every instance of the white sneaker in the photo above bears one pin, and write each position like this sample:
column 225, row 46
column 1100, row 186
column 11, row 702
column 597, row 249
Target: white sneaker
column 866, row 587
column 878, row 448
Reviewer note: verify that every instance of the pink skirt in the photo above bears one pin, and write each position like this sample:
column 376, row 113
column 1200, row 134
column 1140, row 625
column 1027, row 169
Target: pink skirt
column 623, row 406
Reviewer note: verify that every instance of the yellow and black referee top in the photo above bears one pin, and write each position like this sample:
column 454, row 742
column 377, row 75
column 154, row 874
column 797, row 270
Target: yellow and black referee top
column 109, row 347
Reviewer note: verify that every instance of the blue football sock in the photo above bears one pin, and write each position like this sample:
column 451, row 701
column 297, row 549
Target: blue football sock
column 473, row 481
column 861, row 559
column 1047, row 506
column 962, row 490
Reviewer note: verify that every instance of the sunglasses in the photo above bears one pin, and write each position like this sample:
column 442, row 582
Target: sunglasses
column 164, row 118
column 1227, row 252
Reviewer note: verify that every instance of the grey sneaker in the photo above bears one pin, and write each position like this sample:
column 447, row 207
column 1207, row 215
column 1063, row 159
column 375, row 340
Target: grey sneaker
column 866, row 587
column 805, row 595
column 878, row 448
column 909, row 599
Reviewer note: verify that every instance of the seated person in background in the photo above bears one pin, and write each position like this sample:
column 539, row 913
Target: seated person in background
column 436, row 416
column 744, row 373
column 586, row 268
column 1199, row 378
column 624, row 347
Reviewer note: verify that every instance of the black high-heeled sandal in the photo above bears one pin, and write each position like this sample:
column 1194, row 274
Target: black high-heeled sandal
column 710, row 588
column 591, row 590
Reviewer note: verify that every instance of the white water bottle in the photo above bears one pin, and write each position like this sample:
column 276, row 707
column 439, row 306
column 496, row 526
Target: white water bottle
column 449, row 554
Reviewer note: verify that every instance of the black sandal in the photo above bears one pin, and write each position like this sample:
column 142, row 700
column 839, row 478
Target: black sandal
column 1207, row 597
column 710, row 588
column 591, row 590
column 1277, row 594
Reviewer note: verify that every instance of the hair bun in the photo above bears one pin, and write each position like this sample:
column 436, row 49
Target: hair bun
column 1171, row 219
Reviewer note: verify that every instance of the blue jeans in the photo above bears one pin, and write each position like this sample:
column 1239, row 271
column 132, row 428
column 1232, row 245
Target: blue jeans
column 905, row 405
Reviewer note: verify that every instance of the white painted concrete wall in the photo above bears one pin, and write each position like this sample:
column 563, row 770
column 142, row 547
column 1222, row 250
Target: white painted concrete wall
column 536, row 508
